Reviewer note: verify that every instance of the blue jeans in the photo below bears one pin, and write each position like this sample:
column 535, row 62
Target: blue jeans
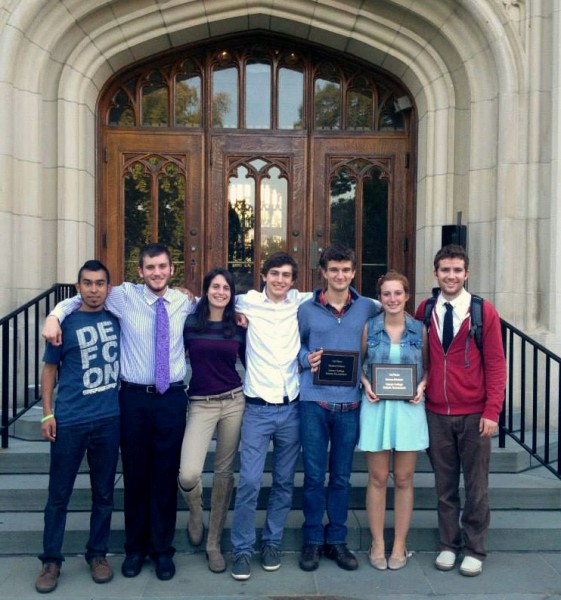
column 318, row 428
column 260, row 425
column 99, row 440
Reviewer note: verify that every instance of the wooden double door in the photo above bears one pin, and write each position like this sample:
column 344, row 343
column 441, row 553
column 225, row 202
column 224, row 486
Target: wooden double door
column 232, row 199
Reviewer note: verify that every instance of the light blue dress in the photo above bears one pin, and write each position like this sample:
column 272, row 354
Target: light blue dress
column 393, row 424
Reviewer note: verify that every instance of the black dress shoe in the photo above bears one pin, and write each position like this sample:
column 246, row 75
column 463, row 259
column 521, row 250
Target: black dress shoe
column 132, row 565
column 165, row 569
column 309, row 558
column 342, row 556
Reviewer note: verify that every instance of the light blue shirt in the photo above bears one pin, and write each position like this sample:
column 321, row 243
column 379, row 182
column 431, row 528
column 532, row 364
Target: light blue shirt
column 135, row 306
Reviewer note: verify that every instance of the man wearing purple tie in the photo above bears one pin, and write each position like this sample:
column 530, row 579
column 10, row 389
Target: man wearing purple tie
column 153, row 404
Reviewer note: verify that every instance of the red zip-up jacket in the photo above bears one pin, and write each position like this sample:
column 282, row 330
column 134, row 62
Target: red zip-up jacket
column 464, row 382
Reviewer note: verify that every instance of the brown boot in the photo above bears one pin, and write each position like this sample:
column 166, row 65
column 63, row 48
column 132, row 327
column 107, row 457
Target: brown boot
column 194, row 500
column 219, row 504
column 48, row 578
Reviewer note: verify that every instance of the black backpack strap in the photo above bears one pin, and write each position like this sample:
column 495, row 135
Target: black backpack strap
column 429, row 305
column 476, row 310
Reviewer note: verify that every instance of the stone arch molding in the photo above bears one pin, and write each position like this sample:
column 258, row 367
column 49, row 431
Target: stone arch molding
column 462, row 60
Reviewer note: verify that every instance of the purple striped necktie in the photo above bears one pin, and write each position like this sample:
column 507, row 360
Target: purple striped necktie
column 162, row 347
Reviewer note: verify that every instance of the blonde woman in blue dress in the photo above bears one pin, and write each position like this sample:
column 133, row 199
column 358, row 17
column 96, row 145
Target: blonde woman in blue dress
column 387, row 427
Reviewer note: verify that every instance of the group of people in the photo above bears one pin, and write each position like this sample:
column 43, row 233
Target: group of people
column 293, row 395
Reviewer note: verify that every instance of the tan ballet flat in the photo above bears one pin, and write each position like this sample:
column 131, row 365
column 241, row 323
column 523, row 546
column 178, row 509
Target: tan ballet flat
column 379, row 563
column 394, row 564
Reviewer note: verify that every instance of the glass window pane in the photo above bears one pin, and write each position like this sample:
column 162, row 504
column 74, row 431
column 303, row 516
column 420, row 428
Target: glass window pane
column 343, row 209
column 241, row 229
column 121, row 112
column 171, row 210
column 359, row 110
column 225, row 98
column 138, row 217
column 155, row 103
column 274, row 208
column 188, row 101
column 258, row 96
column 390, row 119
column 374, row 231
column 291, row 99
column 327, row 102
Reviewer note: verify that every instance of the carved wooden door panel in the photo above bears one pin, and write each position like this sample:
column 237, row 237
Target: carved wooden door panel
column 362, row 197
column 151, row 192
column 257, row 202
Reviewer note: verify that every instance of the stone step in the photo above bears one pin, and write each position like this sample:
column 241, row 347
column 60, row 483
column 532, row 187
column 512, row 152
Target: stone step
column 512, row 531
column 533, row 490
column 525, row 498
column 25, row 456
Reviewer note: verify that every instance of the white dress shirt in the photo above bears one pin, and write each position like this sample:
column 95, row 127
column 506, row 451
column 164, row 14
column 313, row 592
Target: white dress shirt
column 272, row 345
column 135, row 307
column 460, row 304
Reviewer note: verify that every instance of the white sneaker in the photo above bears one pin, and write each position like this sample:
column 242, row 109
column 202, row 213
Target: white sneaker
column 471, row 566
column 445, row 561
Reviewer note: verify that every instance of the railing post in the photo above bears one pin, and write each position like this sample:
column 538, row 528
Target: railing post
column 502, row 416
column 5, row 383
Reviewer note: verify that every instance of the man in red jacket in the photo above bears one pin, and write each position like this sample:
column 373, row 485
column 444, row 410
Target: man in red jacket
column 464, row 397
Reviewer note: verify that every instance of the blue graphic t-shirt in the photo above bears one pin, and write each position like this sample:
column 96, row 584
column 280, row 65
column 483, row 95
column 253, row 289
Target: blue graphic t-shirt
column 89, row 373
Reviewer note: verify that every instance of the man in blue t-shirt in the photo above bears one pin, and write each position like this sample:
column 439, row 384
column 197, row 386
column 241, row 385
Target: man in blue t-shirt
column 87, row 421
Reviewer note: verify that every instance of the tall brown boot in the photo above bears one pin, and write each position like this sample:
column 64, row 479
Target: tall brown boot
column 219, row 504
column 194, row 500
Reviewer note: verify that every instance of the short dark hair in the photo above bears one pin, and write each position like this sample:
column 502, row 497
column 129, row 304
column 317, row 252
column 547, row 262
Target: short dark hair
column 94, row 265
column 278, row 259
column 451, row 251
column 152, row 250
column 337, row 253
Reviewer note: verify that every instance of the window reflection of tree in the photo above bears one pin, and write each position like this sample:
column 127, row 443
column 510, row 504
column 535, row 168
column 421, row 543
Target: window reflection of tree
column 343, row 209
column 327, row 102
column 375, row 219
column 188, row 102
column 373, row 198
column 140, row 207
column 171, row 192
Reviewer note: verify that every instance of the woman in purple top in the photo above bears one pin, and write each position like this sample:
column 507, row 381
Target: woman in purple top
column 216, row 401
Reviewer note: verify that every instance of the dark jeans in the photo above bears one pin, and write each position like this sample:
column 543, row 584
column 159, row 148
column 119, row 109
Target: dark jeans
column 99, row 440
column 455, row 444
column 152, row 428
column 319, row 428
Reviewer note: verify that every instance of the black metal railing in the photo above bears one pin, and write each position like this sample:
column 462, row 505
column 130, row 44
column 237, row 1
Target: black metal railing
column 20, row 361
column 532, row 398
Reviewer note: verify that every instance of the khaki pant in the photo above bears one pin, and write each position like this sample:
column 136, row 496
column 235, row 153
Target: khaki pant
column 204, row 417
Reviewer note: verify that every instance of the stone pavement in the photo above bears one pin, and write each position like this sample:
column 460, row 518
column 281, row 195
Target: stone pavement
column 506, row 576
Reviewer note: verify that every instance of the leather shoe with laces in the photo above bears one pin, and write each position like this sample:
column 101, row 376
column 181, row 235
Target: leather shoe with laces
column 101, row 570
column 132, row 565
column 165, row 569
column 48, row 578
column 342, row 556
column 309, row 557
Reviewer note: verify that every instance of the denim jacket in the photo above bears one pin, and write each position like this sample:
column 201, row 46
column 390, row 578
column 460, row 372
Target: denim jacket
column 411, row 344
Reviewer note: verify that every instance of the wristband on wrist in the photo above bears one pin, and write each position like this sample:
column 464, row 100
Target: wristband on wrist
column 47, row 417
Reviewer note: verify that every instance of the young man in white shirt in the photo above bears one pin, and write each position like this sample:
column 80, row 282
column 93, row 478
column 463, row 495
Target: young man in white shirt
column 271, row 413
